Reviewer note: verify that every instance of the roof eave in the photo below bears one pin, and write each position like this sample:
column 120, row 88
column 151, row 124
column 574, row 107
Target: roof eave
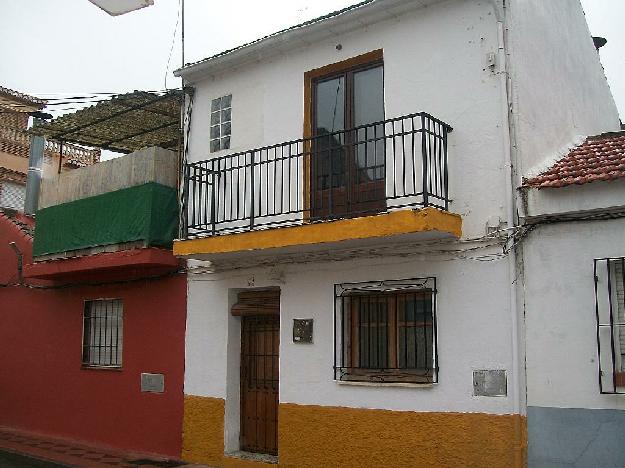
column 297, row 36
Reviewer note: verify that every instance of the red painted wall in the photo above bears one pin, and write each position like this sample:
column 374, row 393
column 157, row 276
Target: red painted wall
column 43, row 387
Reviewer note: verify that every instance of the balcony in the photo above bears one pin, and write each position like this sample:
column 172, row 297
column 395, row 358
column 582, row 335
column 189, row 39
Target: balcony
column 112, row 220
column 339, row 189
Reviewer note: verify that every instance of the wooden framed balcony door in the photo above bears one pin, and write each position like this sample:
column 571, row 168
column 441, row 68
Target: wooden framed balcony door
column 347, row 163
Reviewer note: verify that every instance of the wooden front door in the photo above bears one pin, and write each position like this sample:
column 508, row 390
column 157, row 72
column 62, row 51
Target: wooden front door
column 260, row 342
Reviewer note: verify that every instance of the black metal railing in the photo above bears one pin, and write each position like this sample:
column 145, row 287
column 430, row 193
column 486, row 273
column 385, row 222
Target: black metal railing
column 391, row 164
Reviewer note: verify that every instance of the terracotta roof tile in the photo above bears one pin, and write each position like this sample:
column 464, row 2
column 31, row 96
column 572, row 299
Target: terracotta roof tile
column 599, row 158
column 24, row 223
column 12, row 176
column 22, row 96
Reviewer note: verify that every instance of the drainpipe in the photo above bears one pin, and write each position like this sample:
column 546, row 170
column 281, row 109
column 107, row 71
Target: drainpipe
column 515, row 263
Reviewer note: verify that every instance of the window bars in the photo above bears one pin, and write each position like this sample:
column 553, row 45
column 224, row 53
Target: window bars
column 385, row 331
column 386, row 165
column 610, row 311
column 102, row 333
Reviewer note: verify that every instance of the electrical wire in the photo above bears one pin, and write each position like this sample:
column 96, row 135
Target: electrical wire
column 84, row 98
column 64, row 104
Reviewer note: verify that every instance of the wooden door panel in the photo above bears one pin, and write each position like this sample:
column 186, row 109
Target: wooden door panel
column 260, row 341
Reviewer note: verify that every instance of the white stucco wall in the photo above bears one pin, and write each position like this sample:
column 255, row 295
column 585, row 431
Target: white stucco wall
column 473, row 320
column 562, row 369
column 435, row 60
column 575, row 199
column 558, row 85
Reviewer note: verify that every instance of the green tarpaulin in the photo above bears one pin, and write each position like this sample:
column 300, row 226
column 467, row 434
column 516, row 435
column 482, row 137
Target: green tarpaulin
column 146, row 212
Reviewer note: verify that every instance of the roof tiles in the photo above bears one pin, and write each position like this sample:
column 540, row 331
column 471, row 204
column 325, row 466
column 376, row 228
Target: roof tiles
column 22, row 96
column 291, row 28
column 12, row 176
column 599, row 158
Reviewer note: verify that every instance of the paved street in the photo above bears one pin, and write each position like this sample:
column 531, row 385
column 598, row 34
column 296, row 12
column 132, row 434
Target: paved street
column 10, row 460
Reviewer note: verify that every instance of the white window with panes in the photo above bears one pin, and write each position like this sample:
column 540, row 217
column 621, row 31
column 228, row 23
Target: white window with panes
column 220, row 123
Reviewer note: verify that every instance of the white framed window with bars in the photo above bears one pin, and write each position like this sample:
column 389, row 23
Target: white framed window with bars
column 103, row 333
column 610, row 312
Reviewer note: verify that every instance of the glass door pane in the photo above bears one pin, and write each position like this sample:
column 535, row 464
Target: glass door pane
column 368, row 174
column 368, row 96
column 328, row 158
column 369, row 108
column 330, row 106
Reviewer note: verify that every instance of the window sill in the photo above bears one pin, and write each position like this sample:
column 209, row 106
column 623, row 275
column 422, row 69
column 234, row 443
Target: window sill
column 101, row 368
column 386, row 384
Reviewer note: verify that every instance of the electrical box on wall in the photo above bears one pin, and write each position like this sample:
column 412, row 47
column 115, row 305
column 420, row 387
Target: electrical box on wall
column 302, row 330
column 490, row 383
column 153, row 383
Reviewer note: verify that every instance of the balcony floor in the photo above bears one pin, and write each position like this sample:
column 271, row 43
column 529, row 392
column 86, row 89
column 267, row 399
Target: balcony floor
column 398, row 226
column 107, row 266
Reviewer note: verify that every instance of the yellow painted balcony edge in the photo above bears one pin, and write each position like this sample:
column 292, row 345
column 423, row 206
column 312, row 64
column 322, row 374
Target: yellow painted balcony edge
column 366, row 227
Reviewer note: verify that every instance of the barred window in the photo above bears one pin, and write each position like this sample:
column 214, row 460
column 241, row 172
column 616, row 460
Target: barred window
column 102, row 333
column 610, row 311
column 221, row 123
column 386, row 331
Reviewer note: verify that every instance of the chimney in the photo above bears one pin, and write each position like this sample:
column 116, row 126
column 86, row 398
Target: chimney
column 599, row 42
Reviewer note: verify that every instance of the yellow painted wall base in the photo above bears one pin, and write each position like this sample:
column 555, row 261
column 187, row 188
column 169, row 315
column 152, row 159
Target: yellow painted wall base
column 366, row 227
column 203, row 430
column 318, row 436
column 323, row 437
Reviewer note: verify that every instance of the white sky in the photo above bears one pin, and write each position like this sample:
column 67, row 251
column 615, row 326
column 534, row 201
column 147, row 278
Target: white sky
column 71, row 46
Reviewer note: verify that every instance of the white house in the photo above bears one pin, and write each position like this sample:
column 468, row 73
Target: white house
column 575, row 306
column 357, row 289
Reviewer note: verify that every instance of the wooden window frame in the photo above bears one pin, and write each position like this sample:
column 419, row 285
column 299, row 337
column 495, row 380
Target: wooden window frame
column 393, row 371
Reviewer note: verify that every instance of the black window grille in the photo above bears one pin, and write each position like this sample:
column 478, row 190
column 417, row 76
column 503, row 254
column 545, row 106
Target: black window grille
column 610, row 311
column 102, row 333
column 385, row 331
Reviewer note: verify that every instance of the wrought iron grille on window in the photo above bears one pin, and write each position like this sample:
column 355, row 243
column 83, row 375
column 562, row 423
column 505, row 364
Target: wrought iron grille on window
column 385, row 331
column 221, row 123
column 610, row 310
column 102, row 333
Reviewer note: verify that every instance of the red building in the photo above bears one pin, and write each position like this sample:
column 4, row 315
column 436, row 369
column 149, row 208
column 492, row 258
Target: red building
column 93, row 307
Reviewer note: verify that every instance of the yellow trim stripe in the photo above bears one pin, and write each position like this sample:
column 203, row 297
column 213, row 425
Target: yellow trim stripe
column 382, row 225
